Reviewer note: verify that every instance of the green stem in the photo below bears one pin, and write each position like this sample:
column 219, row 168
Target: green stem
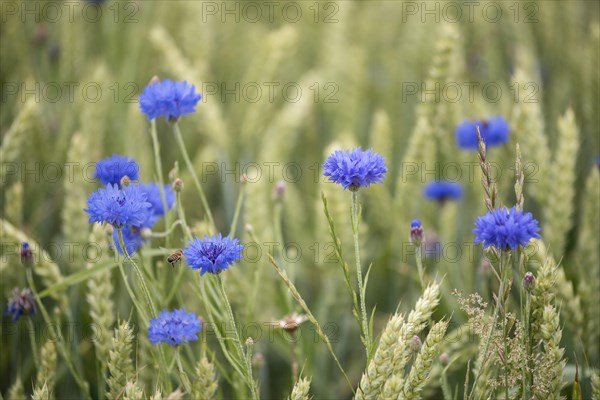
column 238, row 342
column 238, row 207
column 159, row 173
column 168, row 232
column 139, row 274
column 419, row 257
column 190, row 167
column 361, row 289
column 188, row 234
column 185, row 381
column 32, row 340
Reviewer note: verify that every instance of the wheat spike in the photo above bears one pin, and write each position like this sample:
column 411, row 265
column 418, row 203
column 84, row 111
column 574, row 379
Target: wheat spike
column 558, row 213
column 99, row 295
column 120, row 365
column 374, row 378
column 421, row 368
column 205, row 385
column 300, row 390
column 47, row 369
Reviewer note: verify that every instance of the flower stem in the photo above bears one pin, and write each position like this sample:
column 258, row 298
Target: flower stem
column 32, row 340
column 139, row 274
column 419, row 258
column 361, row 288
column 159, row 174
column 185, row 381
column 190, row 166
column 236, row 213
column 249, row 378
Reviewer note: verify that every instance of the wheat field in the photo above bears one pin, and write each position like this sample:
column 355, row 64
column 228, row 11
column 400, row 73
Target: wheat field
column 373, row 288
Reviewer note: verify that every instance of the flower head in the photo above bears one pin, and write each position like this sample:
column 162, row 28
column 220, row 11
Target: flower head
column 22, row 302
column 416, row 232
column 174, row 327
column 443, row 190
column 494, row 132
column 118, row 207
column 355, row 168
column 212, row 254
column 114, row 168
column 26, row 254
column 157, row 208
column 506, row 229
column 169, row 99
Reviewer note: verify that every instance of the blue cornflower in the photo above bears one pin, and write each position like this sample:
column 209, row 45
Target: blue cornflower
column 153, row 192
column 174, row 327
column 112, row 169
column 21, row 303
column 132, row 234
column 494, row 132
column 355, row 168
column 169, row 99
column 443, row 190
column 505, row 229
column 212, row 254
column 118, row 207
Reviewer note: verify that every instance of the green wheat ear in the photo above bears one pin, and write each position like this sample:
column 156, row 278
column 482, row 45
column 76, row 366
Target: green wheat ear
column 132, row 391
column 587, row 255
column 16, row 391
column 528, row 127
column 416, row 321
column 300, row 390
column 41, row 393
column 558, row 212
column 421, row 368
column 374, row 377
column 74, row 220
column 47, row 370
column 596, row 385
column 14, row 203
column 205, row 384
column 120, row 366
column 99, row 296
column 14, row 141
column 94, row 125
column 552, row 334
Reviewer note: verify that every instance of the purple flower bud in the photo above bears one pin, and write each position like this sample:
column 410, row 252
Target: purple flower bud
column 416, row 232
column 529, row 282
column 26, row 254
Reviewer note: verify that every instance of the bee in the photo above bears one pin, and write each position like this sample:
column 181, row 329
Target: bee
column 175, row 258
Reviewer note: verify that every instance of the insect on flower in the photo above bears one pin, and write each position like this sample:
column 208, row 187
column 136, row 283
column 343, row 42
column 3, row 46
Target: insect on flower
column 175, row 257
